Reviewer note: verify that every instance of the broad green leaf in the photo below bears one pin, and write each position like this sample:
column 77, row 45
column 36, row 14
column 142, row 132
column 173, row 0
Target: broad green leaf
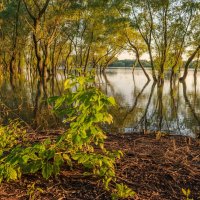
column 47, row 170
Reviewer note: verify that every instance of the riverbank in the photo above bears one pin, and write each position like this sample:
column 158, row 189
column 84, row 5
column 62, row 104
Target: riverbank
column 156, row 167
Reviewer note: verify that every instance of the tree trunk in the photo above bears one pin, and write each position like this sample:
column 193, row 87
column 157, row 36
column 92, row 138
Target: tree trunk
column 160, row 105
column 12, row 64
column 190, row 59
column 152, row 64
column 37, row 49
column 197, row 65
column 143, row 69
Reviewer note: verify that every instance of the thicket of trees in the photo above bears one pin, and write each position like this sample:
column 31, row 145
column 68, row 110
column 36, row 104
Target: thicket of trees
column 40, row 36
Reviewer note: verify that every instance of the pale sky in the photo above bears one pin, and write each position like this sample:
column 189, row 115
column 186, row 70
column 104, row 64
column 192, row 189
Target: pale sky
column 131, row 56
column 126, row 55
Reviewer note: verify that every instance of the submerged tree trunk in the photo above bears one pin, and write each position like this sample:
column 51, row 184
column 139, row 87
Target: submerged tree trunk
column 192, row 108
column 144, row 117
column 160, row 105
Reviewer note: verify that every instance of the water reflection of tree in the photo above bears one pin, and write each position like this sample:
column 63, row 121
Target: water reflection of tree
column 157, row 117
column 103, row 76
column 119, row 110
column 174, row 94
column 144, row 121
column 42, row 114
column 160, row 104
column 130, row 111
column 159, row 111
column 124, row 114
column 27, row 101
column 192, row 108
column 166, row 112
column 138, row 116
column 13, row 101
column 162, row 111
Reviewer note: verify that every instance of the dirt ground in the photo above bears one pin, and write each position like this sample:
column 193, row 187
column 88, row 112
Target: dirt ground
column 156, row 168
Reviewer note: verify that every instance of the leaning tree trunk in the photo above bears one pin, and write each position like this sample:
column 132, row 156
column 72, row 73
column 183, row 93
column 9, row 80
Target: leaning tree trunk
column 138, row 59
column 143, row 69
column 190, row 59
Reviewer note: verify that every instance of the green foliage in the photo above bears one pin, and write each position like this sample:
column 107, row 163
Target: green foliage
column 30, row 159
column 10, row 136
column 84, row 108
column 122, row 192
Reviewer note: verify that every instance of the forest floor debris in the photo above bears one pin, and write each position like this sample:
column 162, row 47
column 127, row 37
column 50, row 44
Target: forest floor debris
column 156, row 168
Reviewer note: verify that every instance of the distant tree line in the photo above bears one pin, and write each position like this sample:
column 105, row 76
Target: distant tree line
column 129, row 63
column 147, row 64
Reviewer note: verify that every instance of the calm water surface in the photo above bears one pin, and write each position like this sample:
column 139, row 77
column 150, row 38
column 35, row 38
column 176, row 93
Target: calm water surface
column 172, row 108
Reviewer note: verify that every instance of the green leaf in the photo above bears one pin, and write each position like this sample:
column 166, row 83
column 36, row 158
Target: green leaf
column 25, row 158
column 76, row 156
column 32, row 167
column 81, row 80
column 48, row 154
column 112, row 101
column 59, row 102
column 52, row 99
column 47, row 170
column 11, row 173
column 58, row 161
column 83, row 159
column 67, row 159
column 77, row 140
